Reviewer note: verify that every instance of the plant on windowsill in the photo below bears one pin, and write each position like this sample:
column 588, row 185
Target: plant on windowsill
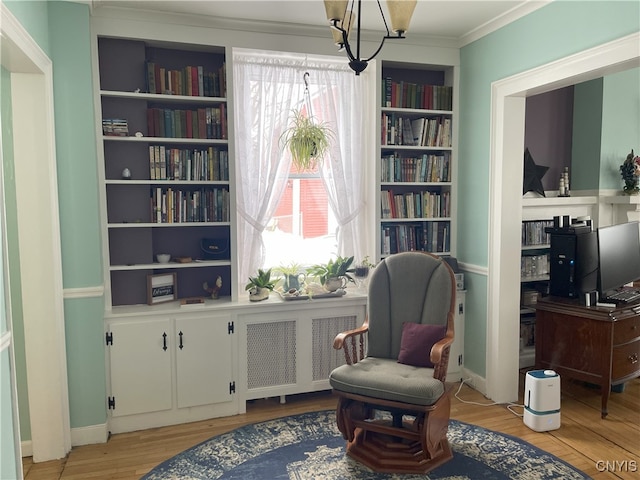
column 334, row 274
column 260, row 286
column 306, row 140
column 293, row 278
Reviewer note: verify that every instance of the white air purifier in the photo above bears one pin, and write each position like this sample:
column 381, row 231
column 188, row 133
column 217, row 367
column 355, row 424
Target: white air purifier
column 542, row 400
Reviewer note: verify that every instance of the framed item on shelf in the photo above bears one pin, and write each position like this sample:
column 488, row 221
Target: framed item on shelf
column 162, row 288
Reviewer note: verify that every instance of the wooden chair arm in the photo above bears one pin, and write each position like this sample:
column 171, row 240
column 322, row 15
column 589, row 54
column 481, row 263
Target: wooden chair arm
column 352, row 343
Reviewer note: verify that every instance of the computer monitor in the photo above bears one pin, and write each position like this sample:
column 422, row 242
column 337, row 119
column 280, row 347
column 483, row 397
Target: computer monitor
column 619, row 256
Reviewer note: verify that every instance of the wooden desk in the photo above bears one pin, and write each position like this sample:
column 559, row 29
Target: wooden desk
column 592, row 344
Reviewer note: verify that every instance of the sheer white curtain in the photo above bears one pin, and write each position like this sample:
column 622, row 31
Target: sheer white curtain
column 349, row 105
column 267, row 87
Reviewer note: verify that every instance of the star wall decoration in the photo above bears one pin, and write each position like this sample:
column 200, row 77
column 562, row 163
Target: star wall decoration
column 533, row 174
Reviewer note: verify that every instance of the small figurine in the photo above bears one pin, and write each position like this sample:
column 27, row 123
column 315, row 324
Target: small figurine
column 214, row 291
column 126, row 174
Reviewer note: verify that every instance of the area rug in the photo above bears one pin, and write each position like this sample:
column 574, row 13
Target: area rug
column 310, row 447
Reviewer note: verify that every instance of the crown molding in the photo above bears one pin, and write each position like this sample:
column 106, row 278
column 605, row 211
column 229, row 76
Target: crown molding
column 506, row 18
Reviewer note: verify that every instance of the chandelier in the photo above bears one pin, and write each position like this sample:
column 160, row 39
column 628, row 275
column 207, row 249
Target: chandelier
column 341, row 18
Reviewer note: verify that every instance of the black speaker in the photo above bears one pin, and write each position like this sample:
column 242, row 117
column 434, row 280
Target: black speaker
column 574, row 264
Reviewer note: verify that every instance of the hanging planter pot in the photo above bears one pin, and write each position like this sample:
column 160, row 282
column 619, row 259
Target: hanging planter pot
column 306, row 140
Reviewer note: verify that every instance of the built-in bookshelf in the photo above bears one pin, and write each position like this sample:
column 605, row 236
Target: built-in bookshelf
column 416, row 161
column 166, row 166
column 534, row 278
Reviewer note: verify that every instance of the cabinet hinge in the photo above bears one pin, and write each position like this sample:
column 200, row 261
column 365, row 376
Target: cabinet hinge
column 109, row 338
column 111, row 403
column 230, row 328
column 232, row 387
column 461, row 308
column 460, row 360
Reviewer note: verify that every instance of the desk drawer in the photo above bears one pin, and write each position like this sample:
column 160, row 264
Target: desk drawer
column 626, row 330
column 626, row 360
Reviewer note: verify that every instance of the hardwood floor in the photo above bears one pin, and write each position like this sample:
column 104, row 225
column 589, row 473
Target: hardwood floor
column 603, row 449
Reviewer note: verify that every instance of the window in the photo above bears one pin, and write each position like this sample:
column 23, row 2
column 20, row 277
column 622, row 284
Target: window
column 303, row 229
column 286, row 216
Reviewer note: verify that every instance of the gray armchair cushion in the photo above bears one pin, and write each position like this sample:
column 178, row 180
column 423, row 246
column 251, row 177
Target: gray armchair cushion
column 387, row 379
column 407, row 287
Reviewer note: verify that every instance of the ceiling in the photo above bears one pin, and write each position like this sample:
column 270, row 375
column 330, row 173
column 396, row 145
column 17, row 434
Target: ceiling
column 452, row 19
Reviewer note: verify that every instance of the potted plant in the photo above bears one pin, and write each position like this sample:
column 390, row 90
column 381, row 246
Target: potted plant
column 308, row 141
column 293, row 277
column 260, row 286
column 334, row 274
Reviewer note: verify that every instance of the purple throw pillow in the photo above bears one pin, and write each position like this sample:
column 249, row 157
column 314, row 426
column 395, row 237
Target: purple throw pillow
column 417, row 341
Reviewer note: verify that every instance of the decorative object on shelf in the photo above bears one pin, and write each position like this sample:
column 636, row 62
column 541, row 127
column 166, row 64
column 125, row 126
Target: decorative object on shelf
column 215, row 248
column 192, row 301
column 563, row 186
column 260, row 286
column 163, row 257
column 307, row 140
column 335, row 274
column 215, row 290
column 126, row 174
column 630, row 171
column 162, row 288
column 183, row 259
column 532, row 175
column 341, row 17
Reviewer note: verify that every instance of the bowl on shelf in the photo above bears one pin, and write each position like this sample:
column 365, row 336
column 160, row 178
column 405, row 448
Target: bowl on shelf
column 163, row 257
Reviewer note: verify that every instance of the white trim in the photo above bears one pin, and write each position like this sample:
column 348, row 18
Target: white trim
column 84, row 292
column 507, row 127
column 89, row 435
column 33, row 118
column 471, row 268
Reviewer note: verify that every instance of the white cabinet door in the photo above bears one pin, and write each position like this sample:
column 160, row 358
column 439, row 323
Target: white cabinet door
column 140, row 364
column 203, row 359
column 456, row 353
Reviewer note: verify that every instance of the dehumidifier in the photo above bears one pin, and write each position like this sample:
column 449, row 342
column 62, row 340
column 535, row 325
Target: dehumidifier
column 542, row 400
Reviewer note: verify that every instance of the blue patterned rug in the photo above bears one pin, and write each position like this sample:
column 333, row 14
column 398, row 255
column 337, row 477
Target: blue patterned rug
column 310, row 447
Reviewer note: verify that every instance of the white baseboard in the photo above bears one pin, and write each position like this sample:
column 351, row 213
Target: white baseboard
column 89, row 435
column 474, row 380
column 26, row 448
column 79, row 436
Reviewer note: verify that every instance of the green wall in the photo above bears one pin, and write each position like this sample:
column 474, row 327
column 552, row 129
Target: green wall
column 553, row 32
column 620, row 124
column 70, row 39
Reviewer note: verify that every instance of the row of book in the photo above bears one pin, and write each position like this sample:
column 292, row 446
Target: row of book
column 414, row 95
column 115, row 127
column 423, row 132
column 169, row 205
column 534, row 266
column 533, row 232
column 425, row 168
column 204, row 123
column 415, row 204
column 425, row 237
column 190, row 81
column 166, row 163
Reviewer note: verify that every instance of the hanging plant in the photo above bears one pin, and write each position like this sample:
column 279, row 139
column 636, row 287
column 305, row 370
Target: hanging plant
column 307, row 141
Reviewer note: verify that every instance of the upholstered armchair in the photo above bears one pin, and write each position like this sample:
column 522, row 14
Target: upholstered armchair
column 393, row 405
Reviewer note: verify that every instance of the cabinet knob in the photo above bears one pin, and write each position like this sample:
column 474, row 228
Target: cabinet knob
column 633, row 358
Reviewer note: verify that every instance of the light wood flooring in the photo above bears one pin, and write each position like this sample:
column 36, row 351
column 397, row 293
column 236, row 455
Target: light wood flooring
column 584, row 439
